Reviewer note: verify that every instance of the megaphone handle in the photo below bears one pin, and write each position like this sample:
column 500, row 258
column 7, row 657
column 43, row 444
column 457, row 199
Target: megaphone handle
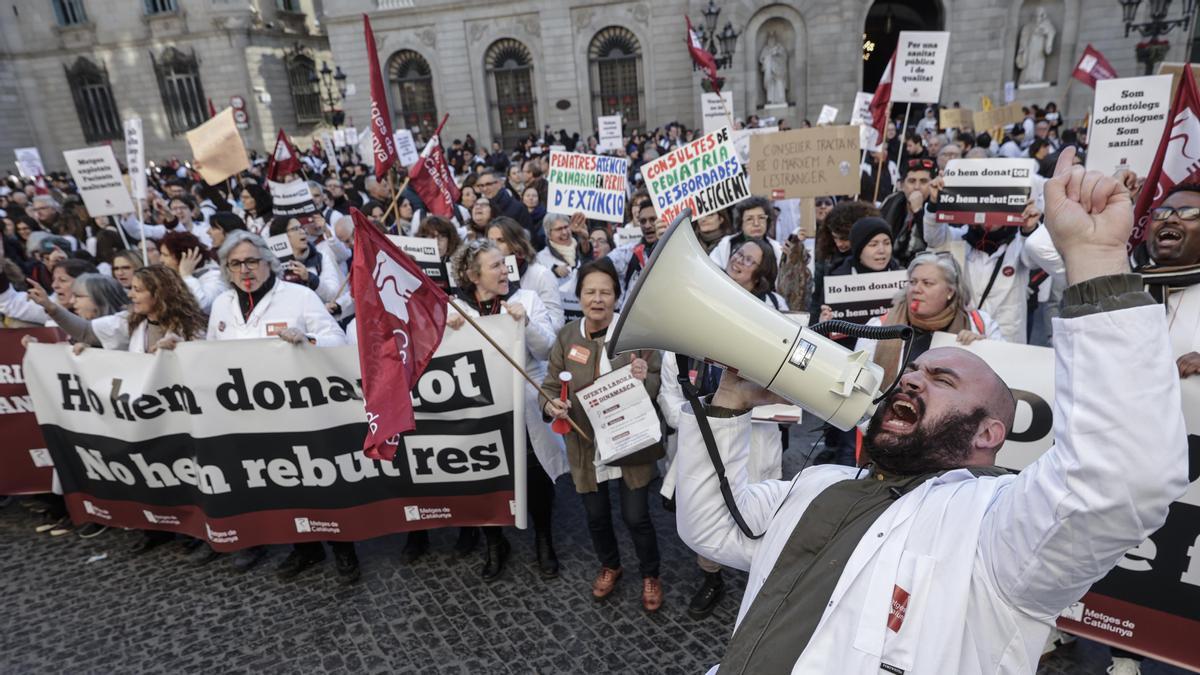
column 536, row 387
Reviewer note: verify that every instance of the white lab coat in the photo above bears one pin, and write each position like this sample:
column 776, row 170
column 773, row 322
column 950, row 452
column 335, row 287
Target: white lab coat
column 766, row 444
column 564, row 287
column 721, row 252
column 1007, row 300
column 989, row 562
column 206, row 284
column 113, row 333
column 17, row 306
column 539, row 338
column 286, row 305
column 1183, row 317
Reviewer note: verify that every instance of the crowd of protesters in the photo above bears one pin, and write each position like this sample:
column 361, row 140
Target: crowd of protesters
column 205, row 272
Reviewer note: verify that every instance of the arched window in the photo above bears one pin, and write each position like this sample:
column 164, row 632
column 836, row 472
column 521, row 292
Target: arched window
column 94, row 101
column 615, row 58
column 182, row 94
column 412, row 82
column 305, row 87
column 510, row 86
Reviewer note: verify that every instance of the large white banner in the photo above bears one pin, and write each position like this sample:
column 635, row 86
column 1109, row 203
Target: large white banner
column 252, row 437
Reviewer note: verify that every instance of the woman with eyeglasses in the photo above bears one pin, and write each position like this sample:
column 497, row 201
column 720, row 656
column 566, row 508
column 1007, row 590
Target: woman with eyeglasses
column 256, row 209
column 601, row 243
column 183, row 253
column 752, row 266
column 310, row 266
column 482, row 213
column 124, row 264
column 484, row 290
column 579, row 350
column 755, row 219
column 512, row 239
column 448, row 241
column 563, row 255
column 260, row 304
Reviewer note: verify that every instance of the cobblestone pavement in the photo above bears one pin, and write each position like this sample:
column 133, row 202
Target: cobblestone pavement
column 157, row 614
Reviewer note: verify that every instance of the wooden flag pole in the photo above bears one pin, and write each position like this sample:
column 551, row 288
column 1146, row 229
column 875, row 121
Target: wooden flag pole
column 883, row 144
column 396, row 195
column 536, row 386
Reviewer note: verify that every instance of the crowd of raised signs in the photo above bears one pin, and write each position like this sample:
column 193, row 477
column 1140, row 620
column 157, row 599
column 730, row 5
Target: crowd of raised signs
column 65, row 268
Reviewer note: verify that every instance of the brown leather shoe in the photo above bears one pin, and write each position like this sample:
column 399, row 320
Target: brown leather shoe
column 652, row 594
column 605, row 582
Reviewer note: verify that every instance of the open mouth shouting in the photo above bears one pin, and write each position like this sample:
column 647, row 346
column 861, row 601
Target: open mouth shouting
column 1168, row 236
column 902, row 414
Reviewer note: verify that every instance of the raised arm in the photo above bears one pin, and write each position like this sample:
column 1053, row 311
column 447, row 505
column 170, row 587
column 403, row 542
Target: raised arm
column 1120, row 452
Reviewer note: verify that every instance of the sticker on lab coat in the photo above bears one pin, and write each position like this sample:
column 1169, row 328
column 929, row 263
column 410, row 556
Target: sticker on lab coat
column 579, row 354
column 276, row 328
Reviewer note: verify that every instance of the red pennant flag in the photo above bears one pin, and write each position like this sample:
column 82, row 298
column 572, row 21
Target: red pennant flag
column 283, row 161
column 39, row 185
column 401, row 316
column 1178, row 157
column 212, row 109
column 1093, row 66
column 700, row 55
column 432, row 179
column 882, row 101
column 381, row 120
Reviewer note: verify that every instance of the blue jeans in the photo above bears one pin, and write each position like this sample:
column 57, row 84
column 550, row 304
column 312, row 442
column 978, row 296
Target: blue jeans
column 635, row 511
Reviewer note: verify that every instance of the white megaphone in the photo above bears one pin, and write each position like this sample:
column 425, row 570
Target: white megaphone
column 684, row 303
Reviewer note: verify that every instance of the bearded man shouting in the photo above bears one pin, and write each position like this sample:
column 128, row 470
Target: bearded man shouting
column 930, row 559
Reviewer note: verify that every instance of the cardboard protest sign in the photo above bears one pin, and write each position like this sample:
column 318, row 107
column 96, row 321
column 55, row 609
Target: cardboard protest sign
column 990, row 191
column 955, row 118
column 920, row 64
column 98, row 177
column 291, row 199
column 861, row 297
column 1128, row 118
column 29, row 162
column 246, row 443
column 827, row 116
column 1029, row 373
column 998, row 117
column 424, row 252
column 217, row 148
column 610, row 138
column 704, row 176
column 805, row 163
column 1175, row 69
column 135, row 156
column 593, row 184
column 406, row 147
column 712, row 113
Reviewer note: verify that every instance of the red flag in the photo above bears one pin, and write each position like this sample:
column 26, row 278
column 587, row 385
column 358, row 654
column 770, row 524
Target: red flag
column 283, row 161
column 1093, row 66
column 381, row 121
column 432, row 179
column 212, row 109
column 700, row 56
column 1177, row 160
column 882, row 101
column 401, row 316
column 39, row 185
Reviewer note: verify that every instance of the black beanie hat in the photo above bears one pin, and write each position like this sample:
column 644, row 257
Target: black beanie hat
column 864, row 230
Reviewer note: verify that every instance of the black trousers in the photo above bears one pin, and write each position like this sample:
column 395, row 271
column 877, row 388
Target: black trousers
column 635, row 511
column 313, row 548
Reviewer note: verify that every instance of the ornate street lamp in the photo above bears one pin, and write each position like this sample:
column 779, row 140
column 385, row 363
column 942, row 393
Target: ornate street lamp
column 720, row 44
column 333, row 86
column 1152, row 51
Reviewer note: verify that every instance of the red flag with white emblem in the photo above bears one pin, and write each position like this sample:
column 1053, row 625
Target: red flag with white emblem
column 432, row 179
column 401, row 316
column 283, row 160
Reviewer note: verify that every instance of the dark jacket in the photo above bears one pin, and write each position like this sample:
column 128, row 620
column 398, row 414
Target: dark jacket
column 507, row 205
column 908, row 235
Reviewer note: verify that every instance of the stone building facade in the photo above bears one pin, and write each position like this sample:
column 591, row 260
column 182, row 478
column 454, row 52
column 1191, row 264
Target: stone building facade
column 501, row 69
column 72, row 70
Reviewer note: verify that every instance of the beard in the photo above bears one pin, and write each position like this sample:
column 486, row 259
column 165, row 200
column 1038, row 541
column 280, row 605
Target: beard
column 932, row 445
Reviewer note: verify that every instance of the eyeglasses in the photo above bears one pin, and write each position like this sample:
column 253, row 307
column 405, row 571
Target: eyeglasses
column 487, row 184
column 743, row 258
column 1184, row 212
column 246, row 265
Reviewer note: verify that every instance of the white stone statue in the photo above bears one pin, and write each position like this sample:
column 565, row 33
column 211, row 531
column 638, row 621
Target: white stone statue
column 1035, row 43
column 774, row 70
